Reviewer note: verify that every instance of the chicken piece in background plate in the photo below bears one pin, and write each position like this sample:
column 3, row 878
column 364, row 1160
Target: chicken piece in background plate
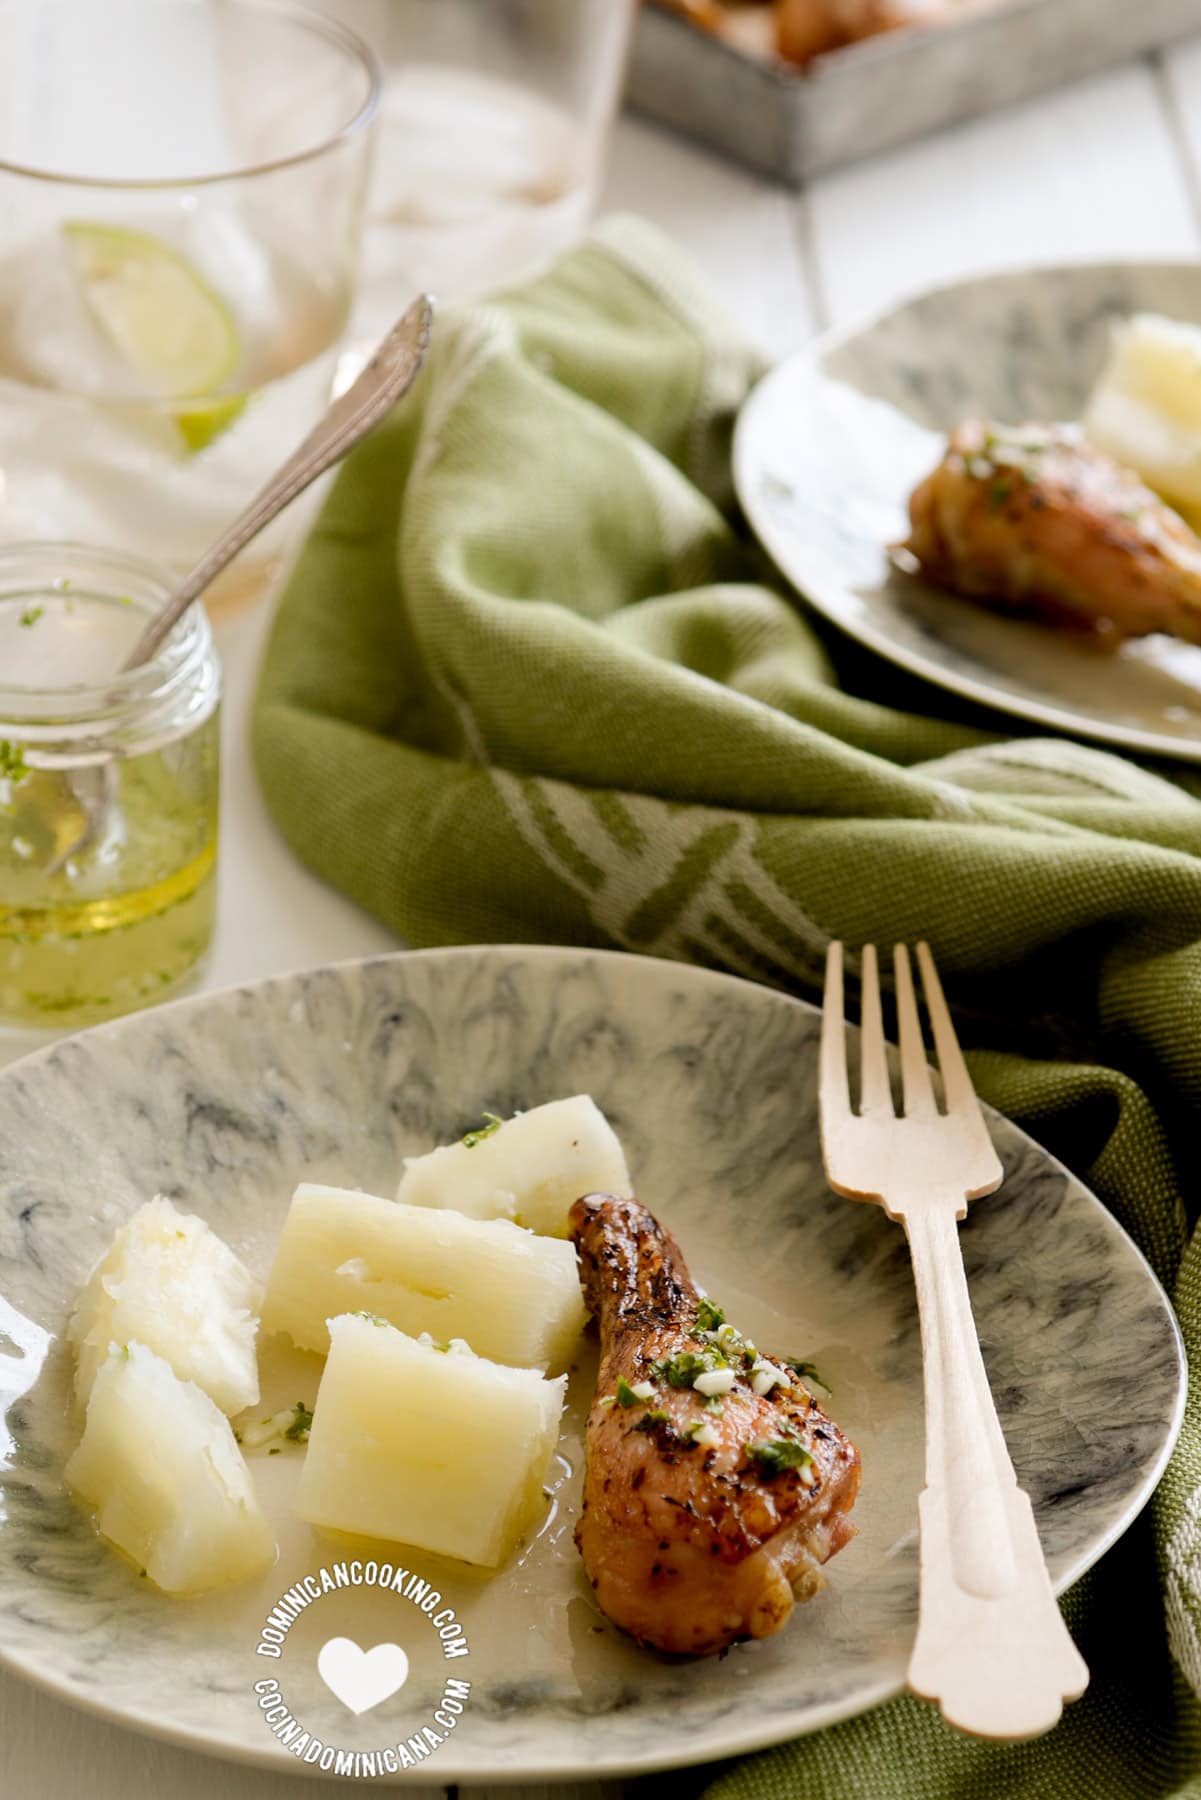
column 1032, row 519
column 808, row 28
column 799, row 30
column 708, row 1511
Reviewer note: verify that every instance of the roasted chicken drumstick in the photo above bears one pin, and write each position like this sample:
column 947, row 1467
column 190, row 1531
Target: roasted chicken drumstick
column 715, row 1485
column 1032, row 518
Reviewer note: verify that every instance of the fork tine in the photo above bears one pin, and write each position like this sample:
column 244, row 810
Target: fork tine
column 915, row 1073
column 957, row 1083
column 875, row 1093
column 834, row 1094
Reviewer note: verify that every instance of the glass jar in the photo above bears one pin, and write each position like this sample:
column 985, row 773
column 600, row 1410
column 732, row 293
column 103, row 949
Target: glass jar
column 108, row 788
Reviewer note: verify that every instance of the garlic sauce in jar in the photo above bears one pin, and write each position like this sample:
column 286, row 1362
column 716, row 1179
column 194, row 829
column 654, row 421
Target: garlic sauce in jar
column 108, row 789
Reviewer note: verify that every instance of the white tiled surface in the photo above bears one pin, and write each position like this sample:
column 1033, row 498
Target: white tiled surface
column 1111, row 167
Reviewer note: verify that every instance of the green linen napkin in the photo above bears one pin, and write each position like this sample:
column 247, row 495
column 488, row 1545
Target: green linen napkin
column 529, row 681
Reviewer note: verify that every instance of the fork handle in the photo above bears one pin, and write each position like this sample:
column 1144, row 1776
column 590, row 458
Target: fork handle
column 992, row 1647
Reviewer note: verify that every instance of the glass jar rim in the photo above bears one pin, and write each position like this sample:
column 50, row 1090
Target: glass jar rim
column 115, row 571
column 332, row 30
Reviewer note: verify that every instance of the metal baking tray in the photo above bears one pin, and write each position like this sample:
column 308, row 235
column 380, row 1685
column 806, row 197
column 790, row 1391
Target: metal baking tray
column 794, row 123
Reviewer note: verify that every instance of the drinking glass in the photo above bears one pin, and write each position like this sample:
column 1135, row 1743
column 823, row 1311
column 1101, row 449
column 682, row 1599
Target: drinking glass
column 493, row 126
column 182, row 186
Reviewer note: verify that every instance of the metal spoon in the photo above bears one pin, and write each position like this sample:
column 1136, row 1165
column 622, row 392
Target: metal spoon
column 390, row 373
column 379, row 385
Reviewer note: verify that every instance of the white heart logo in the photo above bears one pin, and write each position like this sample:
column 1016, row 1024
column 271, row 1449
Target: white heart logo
column 361, row 1679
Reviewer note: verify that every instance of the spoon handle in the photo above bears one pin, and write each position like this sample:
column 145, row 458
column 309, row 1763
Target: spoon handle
column 388, row 375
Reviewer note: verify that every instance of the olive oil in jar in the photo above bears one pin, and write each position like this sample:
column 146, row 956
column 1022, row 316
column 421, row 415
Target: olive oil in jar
column 108, row 790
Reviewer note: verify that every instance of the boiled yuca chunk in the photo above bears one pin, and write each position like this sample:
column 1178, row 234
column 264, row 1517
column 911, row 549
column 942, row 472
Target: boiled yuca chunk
column 530, row 1168
column 441, row 1450
column 159, row 1463
column 169, row 1282
column 513, row 1296
column 1145, row 409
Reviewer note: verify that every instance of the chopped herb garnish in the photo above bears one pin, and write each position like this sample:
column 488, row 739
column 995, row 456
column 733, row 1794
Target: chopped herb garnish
column 477, row 1137
column 701, row 1431
column 774, row 1455
column 708, row 1314
column 12, row 761
column 298, row 1430
column 290, row 1422
column 374, row 1318
column 682, row 1369
column 649, row 1420
column 998, row 494
column 31, row 615
column 275, row 1452
column 806, row 1370
column 625, row 1395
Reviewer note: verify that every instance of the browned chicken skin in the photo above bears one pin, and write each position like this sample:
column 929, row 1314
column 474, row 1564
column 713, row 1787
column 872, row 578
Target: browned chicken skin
column 1032, row 518
column 690, row 1546
column 799, row 30
column 808, row 28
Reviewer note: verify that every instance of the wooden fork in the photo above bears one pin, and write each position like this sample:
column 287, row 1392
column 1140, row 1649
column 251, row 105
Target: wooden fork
column 991, row 1645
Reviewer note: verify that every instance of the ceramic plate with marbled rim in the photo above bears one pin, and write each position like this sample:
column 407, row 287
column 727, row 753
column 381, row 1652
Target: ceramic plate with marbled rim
column 225, row 1101
column 833, row 441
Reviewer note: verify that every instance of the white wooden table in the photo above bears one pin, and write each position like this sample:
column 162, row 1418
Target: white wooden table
column 1111, row 167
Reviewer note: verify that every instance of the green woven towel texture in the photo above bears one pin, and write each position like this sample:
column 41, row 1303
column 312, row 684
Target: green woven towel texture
column 530, row 681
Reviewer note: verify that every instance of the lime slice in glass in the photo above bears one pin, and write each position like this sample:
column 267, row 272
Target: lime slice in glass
column 163, row 317
column 203, row 420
